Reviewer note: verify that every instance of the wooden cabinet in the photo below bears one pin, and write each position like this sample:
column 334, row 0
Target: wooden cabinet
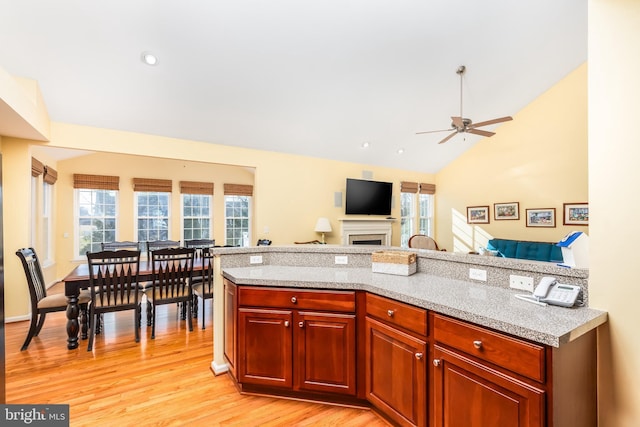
column 230, row 324
column 482, row 377
column 396, row 360
column 311, row 350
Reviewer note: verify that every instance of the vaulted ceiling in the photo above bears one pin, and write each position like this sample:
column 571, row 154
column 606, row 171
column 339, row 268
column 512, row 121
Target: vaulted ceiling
column 310, row 77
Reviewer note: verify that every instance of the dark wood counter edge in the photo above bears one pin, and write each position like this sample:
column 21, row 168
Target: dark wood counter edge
column 598, row 318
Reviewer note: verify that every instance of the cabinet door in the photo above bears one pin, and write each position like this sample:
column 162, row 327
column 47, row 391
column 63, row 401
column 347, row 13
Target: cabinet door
column 265, row 347
column 467, row 393
column 230, row 325
column 396, row 375
column 325, row 355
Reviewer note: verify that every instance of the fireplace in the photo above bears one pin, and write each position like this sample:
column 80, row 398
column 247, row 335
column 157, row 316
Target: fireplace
column 366, row 231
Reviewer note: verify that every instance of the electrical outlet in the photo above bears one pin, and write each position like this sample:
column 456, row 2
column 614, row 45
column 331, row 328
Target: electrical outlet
column 255, row 259
column 524, row 283
column 342, row 259
column 477, row 274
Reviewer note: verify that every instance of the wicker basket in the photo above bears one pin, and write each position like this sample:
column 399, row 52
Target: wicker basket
column 390, row 262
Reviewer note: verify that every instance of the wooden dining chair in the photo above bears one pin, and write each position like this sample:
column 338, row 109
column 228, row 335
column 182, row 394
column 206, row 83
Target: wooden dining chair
column 41, row 303
column 160, row 244
column 202, row 285
column 121, row 245
column 172, row 272
column 113, row 280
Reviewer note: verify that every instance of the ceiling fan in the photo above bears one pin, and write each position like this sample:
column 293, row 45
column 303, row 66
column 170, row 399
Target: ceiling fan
column 464, row 125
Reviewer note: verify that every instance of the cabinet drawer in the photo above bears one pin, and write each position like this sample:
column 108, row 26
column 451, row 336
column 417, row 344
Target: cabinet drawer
column 340, row 301
column 398, row 314
column 516, row 355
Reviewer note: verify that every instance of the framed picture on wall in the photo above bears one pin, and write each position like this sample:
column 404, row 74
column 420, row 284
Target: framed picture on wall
column 478, row 215
column 576, row 214
column 506, row 211
column 541, row 217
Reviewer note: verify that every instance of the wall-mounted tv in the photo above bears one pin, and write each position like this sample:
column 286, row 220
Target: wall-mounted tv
column 365, row 197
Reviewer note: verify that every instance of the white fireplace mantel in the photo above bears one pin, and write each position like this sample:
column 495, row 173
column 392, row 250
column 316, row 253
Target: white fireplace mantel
column 366, row 226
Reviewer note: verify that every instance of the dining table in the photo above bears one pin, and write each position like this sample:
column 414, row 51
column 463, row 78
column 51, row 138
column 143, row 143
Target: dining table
column 78, row 279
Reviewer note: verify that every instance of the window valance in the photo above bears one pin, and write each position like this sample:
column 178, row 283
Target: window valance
column 427, row 188
column 97, row 182
column 50, row 175
column 149, row 184
column 408, row 187
column 37, row 167
column 238, row 190
column 195, row 187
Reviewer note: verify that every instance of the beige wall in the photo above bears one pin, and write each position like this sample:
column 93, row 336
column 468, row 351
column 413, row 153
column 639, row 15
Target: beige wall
column 614, row 171
column 538, row 160
column 290, row 191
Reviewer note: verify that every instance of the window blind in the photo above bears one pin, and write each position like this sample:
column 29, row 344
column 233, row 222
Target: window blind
column 96, row 182
column 194, row 187
column 50, row 175
column 238, row 190
column 149, row 184
column 37, row 167
column 408, row 187
column 427, row 188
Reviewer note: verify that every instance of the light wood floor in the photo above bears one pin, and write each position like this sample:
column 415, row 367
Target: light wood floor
column 161, row 382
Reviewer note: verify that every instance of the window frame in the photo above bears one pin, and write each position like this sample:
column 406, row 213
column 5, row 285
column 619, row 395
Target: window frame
column 136, row 217
column 77, row 216
column 227, row 239
column 184, row 217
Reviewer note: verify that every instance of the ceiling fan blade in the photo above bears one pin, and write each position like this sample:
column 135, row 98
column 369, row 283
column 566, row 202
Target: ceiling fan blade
column 433, row 131
column 480, row 132
column 491, row 122
column 448, row 137
column 457, row 122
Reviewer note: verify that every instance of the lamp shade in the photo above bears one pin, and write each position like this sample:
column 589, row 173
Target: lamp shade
column 323, row 225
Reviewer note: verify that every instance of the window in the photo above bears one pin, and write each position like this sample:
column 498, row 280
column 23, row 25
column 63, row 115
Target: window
column 407, row 217
column 46, row 252
column 34, row 211
column 237, row 214
column 97, row 222
column 196, row 216
column 152, row 215
column 237, row 210
column 426, row 214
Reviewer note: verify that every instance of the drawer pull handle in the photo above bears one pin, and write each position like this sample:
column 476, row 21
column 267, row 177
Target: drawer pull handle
column 436, row 362
column 301, row 324
column 294, row 300
column 477, row 344
column 286, row 323
column 419, row 356
column 390, row 313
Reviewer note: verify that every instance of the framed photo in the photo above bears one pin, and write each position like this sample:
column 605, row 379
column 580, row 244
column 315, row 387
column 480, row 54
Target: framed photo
column 576, row 214
column 506, row 211
column 541, row 217
column 478, row 215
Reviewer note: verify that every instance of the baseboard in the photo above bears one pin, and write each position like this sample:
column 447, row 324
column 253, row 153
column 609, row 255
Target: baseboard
column 219, row 369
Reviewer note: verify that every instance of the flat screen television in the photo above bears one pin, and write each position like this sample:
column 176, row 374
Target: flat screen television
column 368, row 197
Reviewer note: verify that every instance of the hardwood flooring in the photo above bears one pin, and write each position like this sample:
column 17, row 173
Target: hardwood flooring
column 161, row 382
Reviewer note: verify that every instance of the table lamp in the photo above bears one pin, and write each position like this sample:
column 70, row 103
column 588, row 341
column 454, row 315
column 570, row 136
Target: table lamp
column 323, row 226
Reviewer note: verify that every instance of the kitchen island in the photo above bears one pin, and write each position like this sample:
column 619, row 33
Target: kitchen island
column 527, row 354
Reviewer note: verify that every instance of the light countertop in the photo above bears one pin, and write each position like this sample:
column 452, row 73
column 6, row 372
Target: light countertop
column 485, row 305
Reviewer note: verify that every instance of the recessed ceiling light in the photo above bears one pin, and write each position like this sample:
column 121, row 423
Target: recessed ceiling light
column 365, row 145
column 400, row 150
column 149, row 58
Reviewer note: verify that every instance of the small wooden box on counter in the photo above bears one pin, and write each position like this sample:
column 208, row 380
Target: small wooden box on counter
column 394, row 262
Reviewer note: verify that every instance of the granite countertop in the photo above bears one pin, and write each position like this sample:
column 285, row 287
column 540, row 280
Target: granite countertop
column 485, row 305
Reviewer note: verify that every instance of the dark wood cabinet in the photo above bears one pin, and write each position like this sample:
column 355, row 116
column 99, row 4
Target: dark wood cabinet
column 303, row 350
column 468, row 393
column 265, row 344
column 396, row 374
column 396, row 360
column 230, row 325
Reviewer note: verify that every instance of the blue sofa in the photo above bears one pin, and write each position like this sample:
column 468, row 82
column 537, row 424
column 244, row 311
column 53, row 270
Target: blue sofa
column 537, row 251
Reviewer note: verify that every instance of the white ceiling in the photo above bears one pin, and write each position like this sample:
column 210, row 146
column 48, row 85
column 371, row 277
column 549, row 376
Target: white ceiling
column 311, row 77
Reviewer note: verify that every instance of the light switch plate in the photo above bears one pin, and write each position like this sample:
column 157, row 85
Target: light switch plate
column 524, row 283
column 477, row 274
column 342, row 259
